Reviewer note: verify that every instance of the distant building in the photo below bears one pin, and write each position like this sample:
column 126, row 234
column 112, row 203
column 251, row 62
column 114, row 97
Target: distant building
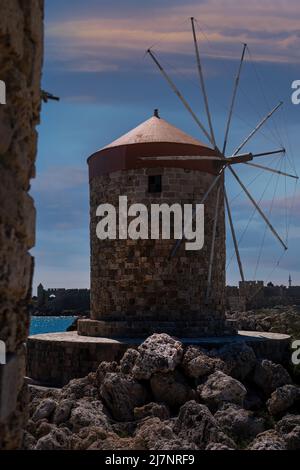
column 254, row 294
column 59, row 299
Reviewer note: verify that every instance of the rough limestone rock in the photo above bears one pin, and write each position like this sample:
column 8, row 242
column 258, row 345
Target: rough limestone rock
column 29, row 441
column 153, row 410
column 268, row 440
column 63, row 411
column 75, row 418
column 284, row 319
column 239, row 359
column 31, row 425
column 103, row 369
column 159, row 353
column 57, row 439
column 196, row 424
column 154, row 434
column 113, row 442
column 122, row 393
column 292, row 439
column 269, row 376
column 171, row 388
column 282, row 399
column 79, row 388
column 289, row 428
column 124, row 428
column 37, row 393
column 238, row 423
column 220, row 388
column 45, row 409
column 196, row 363
column 43, row 428
column 88, row 413
column 88, row 436
column 128, row 360
column 218, row 446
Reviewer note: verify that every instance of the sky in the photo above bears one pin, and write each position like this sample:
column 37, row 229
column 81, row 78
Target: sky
column 95, row 62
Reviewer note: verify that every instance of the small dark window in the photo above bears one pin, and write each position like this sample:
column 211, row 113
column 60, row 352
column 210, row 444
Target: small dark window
column 154, row 184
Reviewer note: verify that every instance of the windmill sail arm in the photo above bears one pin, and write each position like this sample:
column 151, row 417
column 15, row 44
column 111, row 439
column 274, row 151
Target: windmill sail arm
column 272, row 170
column 258, row 127
column 182, row 99
column 213, row 242
column 241, row 158
column 258, row 208
column 202, row 84
column 265, row 154
column 235, row 243
column 235, row 89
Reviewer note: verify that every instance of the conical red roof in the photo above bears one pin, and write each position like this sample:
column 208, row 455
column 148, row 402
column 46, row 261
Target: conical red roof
column 142, row 145
column 155, row 130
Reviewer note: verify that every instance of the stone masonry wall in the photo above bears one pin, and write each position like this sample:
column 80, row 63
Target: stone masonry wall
column 21, row 45
column 135, row 280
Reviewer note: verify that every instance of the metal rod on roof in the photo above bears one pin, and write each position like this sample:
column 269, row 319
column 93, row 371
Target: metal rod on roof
column 182, row 99
column 212, row 249
column 211, row 187
column 259, row 125
column 258, row 208
column 235, row 89
column 236, row 246
column 271, row 170
column 203, row 88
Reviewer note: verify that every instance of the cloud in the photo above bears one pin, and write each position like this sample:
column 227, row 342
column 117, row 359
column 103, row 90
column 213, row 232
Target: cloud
column 102, row 43
column 95, row 55
column 59, row 178
column 279, row 206
column 61, row 196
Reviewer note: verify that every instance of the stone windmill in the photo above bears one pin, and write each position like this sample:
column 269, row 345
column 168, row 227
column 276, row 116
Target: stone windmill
column 143, row 286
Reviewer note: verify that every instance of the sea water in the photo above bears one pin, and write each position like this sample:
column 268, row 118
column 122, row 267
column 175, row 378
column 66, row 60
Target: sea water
column 45, row 324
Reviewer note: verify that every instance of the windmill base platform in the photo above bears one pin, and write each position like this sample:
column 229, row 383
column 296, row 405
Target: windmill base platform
column 207, row 325
column 56, row 358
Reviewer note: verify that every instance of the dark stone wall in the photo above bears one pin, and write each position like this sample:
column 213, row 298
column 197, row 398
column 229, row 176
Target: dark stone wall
column 21, row 50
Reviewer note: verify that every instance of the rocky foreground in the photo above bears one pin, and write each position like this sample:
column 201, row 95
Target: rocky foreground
column 164, row 396
column 281, row 319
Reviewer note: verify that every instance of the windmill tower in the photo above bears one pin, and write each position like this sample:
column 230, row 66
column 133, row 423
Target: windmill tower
column 143, row 286
column 136, row 286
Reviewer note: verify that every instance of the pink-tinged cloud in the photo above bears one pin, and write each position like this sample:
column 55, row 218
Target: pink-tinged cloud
column 271, row 28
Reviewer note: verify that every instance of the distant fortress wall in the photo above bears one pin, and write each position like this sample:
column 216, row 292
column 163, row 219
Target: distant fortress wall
column 59, row 299
column 254, row 294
